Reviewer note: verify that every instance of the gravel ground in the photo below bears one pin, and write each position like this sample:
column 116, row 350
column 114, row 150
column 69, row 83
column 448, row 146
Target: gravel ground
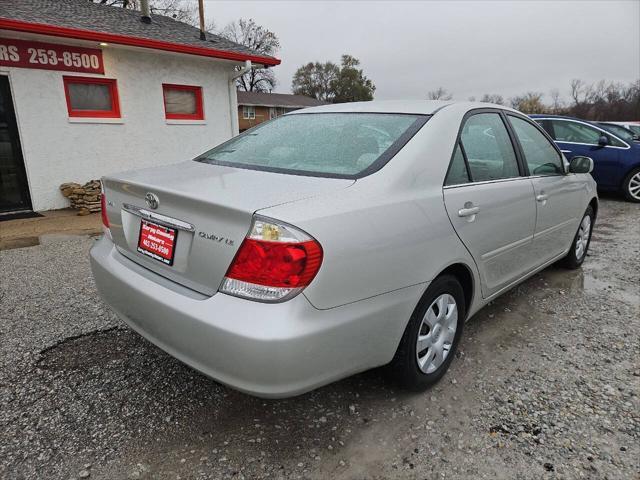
column 546, row 385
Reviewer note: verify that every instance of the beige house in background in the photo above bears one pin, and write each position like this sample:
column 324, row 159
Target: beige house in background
column 256, row 107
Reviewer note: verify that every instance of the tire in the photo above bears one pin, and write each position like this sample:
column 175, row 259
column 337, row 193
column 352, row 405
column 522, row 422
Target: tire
column 631, row 186
column 406, row 365
column 582, row 240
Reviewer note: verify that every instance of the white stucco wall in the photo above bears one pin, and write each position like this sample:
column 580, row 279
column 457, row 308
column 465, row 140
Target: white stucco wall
column 57, row 149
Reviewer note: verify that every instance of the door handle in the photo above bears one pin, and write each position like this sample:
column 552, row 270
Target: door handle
column 468, row 211
column 565, row 151
column 542, row 197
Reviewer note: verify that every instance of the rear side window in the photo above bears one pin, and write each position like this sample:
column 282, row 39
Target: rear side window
column 488, row 148
column 458, row 173
column 541, row 157
column 342, row 145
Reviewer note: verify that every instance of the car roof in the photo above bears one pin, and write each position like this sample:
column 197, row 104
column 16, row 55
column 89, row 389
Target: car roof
column 418, row 107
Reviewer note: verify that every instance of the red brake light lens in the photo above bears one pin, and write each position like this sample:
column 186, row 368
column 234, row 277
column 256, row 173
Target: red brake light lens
column 274, row 263
column 103, row 210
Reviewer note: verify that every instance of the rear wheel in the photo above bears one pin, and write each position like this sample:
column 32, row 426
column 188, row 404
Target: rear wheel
column 578, row 251
column 431, row 338
column 631, row 186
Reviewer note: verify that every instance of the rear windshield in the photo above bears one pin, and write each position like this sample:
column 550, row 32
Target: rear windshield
column 342, row 145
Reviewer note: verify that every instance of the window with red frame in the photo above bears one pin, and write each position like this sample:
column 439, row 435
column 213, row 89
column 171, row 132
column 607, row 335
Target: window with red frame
column 91, row 97
column 182, row 102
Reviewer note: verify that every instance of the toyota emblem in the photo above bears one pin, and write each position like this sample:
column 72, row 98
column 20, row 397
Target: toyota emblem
column 152, row 200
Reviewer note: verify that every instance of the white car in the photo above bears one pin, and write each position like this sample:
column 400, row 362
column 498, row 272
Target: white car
column 339, row 238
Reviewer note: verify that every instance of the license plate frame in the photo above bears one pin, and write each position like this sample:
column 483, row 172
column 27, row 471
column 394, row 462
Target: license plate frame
column 162, row 246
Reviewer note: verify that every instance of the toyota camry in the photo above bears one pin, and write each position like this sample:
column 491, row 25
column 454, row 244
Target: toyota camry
column 339, row 238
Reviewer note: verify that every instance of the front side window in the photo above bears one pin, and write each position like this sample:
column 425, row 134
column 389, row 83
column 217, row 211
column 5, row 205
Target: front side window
column 91, row 97
column 248, row 112
column 488, row 148
column 323, row 144
column 182, row 102
column 574, row 132
column 540, row 155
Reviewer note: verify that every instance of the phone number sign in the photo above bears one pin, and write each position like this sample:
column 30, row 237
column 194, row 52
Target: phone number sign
column 50, row 56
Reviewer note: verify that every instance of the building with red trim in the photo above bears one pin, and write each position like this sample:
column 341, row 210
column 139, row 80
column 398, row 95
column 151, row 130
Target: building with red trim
column 88, row 90
column 257, row 107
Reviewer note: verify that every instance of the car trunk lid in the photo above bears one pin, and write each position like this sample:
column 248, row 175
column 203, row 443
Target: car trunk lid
column 210, row 208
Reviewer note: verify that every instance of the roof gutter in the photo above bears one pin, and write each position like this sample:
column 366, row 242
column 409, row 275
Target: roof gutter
column 81, row 34
column 233, row 96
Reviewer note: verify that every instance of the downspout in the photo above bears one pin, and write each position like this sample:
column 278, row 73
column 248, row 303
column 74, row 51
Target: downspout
column 233, row 96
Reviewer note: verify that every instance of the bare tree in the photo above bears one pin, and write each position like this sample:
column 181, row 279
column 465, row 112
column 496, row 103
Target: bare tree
column 493, row 98
column 439, row 94
column 557, row 105
column 577, row 88
column 261, row 40
column 530, row 102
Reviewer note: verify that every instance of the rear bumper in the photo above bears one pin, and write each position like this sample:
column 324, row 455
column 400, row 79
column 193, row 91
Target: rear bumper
column 267, row 350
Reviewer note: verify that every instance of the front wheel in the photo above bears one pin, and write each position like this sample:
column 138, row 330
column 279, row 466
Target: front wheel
column 578, row 251
column 430, row 340
column 631, row 186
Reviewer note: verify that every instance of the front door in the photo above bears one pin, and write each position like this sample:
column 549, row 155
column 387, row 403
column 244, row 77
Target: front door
column 558, row 200
column 14, row 190
column 490, row 204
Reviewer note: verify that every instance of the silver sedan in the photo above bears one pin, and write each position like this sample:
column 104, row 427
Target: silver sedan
column 340, row 238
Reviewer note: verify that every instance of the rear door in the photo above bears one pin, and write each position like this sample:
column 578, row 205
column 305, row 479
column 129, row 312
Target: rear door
column 490, row 204
column 559, row 201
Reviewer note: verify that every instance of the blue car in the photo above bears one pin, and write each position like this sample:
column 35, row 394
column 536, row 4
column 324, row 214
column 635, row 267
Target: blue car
column 616, row 161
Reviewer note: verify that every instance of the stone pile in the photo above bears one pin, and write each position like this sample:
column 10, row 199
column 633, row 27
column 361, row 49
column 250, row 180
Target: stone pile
column 84, row 198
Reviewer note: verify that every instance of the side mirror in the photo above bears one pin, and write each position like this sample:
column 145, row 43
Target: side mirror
column 581, row 164
column 603, row 140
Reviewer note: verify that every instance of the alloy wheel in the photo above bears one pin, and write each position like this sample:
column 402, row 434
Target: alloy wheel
column 634, row 186
column 436, row 333
column 583, row 237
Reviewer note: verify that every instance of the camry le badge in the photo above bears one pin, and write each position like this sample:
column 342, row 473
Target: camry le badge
column 152, row 200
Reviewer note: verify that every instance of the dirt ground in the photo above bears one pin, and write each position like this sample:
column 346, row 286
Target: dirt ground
column 546, row 385
column 49, row 226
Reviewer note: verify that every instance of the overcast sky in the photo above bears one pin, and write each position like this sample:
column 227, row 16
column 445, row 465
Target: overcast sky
column 468, row 47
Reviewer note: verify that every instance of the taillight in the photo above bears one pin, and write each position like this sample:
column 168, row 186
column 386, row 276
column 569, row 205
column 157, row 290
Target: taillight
column 274, row 263
column 103, row 210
